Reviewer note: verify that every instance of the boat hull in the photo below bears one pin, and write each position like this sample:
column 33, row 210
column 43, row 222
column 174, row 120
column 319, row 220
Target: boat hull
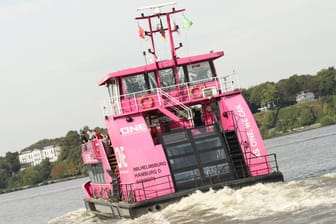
column 122, row 209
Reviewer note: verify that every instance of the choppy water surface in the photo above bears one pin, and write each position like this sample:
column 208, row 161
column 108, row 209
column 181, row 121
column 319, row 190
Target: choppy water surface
column 310, row 200
column 308, row 194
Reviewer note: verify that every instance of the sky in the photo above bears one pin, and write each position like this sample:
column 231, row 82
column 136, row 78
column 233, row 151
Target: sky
column 54, row 52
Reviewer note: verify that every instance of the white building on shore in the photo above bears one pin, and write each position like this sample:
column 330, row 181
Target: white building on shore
column 305, row 96
column 33, row 157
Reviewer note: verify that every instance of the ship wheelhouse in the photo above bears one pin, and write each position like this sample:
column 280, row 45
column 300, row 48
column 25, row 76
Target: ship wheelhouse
column 133, row 90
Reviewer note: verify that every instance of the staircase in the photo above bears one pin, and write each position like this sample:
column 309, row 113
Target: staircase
column 236, row 155
column 115, row 176
column 113, row 161
column 174, row 104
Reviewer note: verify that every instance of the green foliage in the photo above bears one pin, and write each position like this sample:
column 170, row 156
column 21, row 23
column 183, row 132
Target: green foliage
column 306, row 117
column 70, row 141
column 71, row 155
column 69, row 163
column 31, row 176
column 45, row 169
column 290, row 118
column 283, row 95
column 267, row 119
column 15, row 181
column 13, row 161
column 3, row 178
column 8, row 166
column 326, row 82
column 327, row 120
column 284, row 92
column 42, row 143
column 58, row 170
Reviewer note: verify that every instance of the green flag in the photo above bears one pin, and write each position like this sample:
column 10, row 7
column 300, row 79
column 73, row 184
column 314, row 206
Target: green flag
column 186, row 23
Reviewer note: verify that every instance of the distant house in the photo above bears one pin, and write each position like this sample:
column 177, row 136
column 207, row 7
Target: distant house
column 266, row 106
column 305, row 96
column 33, row 157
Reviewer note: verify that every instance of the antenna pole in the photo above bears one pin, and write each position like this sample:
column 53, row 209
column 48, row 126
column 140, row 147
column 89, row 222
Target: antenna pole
column 158, row 13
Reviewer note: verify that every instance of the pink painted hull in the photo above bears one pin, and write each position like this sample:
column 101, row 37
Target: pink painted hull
column 251, row 142
column 139, row 160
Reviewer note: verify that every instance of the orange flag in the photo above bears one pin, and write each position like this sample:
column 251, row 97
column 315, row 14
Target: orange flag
column 141, row 32
column 162, row 31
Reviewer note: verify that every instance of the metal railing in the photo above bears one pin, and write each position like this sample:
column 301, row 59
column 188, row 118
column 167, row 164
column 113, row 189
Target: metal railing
column 179, row 94
column 268, row 162
column 146, row 189
column 271, row 162
column 248, row 154
column 159, row 186
column 174, row 103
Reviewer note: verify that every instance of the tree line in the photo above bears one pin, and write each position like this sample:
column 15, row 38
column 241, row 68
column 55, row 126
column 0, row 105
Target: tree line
column 297, row 117
column 285, row 115
column 283, row 93
column 68, row 164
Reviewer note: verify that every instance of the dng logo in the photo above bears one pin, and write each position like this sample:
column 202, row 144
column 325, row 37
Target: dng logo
column 133, row 129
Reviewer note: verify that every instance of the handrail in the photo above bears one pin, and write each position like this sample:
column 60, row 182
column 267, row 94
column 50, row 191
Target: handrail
column 239, row 132
column 177, row 102
column 144, row 189
column 270, row 160
column 114, row 106
column 131, row 188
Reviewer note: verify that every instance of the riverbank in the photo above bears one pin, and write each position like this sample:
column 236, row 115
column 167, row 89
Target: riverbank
column 296, row 118
column 293, row 131
column 47, row 182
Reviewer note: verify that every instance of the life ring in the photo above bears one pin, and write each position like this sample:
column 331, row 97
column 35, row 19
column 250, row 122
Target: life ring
column 196, row 91
column 146, row 102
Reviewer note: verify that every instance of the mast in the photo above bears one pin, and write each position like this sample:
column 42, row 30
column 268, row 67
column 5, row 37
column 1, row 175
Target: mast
column 158, row 15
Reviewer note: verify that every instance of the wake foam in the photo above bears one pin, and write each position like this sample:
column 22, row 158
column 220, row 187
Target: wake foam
column 233, row 206
column 76, row 217
column 252, row 202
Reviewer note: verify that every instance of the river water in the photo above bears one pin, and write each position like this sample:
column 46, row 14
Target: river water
column 308, row 195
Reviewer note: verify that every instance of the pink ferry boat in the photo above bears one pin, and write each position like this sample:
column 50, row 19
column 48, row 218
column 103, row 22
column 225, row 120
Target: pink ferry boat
column 174, row 126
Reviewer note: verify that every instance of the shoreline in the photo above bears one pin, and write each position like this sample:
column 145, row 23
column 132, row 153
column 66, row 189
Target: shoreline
column 46, row 182
column 296, row 130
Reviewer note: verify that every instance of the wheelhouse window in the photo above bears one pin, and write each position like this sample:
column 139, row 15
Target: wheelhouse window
column 134, row 83
column 113, row 90
column 200, row 71
column 167, row 77
column 182, row 74
column 140, row 84
column 150, row 80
